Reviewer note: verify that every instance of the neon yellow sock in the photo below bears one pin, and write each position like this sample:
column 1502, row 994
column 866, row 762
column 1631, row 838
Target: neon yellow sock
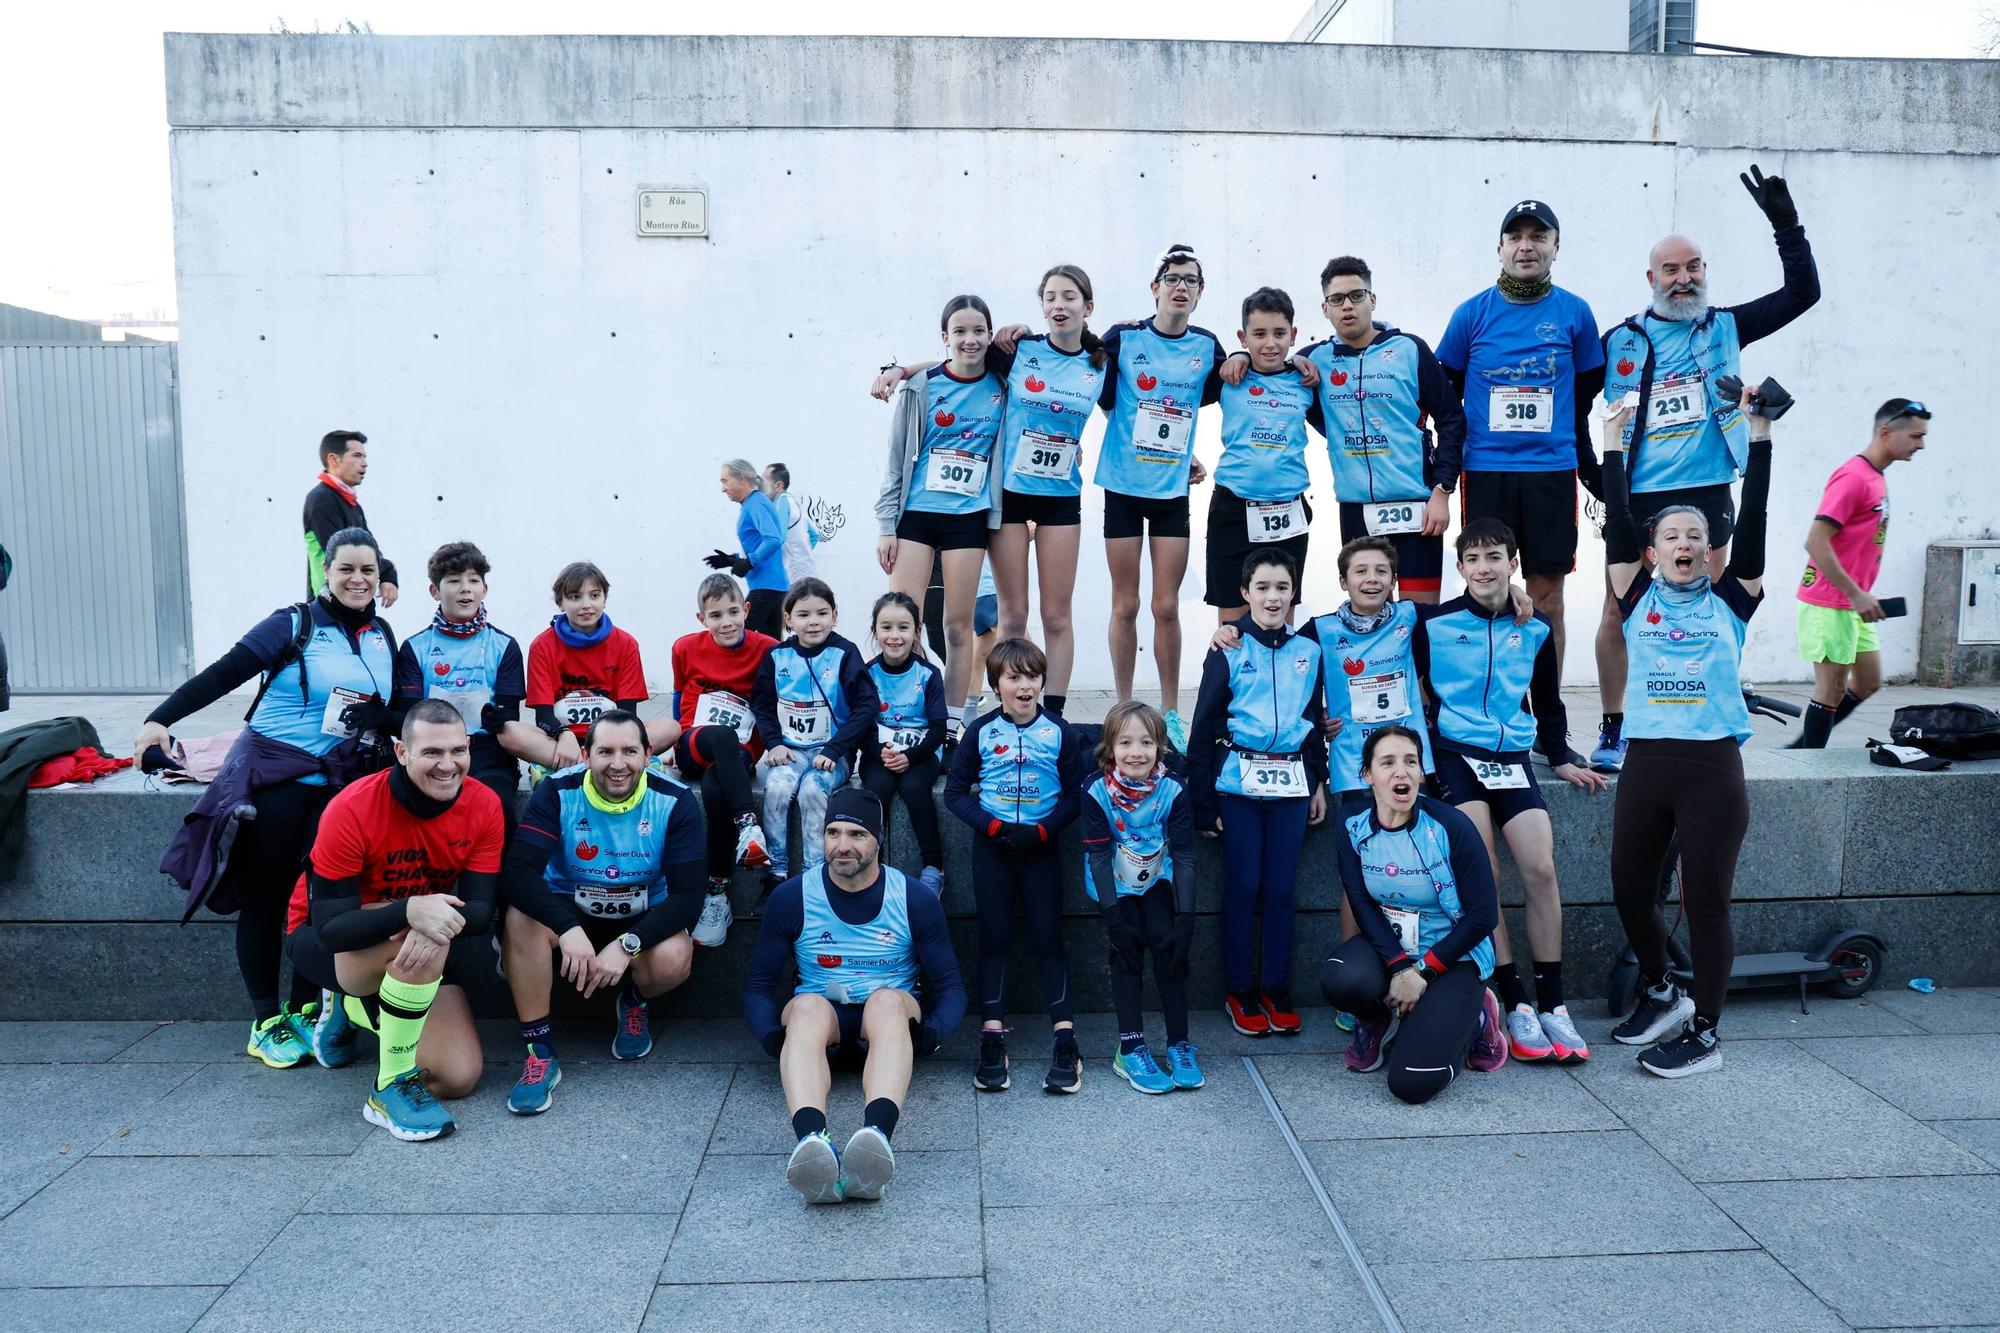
column 404, row 1006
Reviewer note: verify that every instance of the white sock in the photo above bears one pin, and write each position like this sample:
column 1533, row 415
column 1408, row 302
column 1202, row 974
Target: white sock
column 970, row 713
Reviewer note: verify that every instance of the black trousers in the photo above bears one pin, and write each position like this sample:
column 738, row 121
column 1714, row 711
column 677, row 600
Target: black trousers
column 1035, row 879
column 1434, row 1038
column 264, row 866
column 766, row 612
column 1694, row 788
column 917, row 785
column 714, row 759
column 1151, row 914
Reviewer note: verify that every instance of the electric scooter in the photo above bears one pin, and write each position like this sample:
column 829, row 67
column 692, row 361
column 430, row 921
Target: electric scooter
column 1847, row 962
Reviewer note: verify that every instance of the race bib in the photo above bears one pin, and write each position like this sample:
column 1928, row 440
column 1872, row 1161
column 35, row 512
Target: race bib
column 598, row 901
column 469, row 703
column 1275, row 522
column 1382, row 698
column 1680, row 401
column 1050, row 457
column 580, row 708
column 331, row 722
column 1134, row 871
column 1521, row 409
column 1496, row 776
column 720, row 708
column 955, row 472
column 806, row 725
column 1162, row 430
column 1392, row 520
column 1272, row 774
column 1409, row 927
column 900, row 738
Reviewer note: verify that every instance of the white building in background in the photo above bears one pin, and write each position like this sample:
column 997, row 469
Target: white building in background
column 1545, row 25
column 436, row 240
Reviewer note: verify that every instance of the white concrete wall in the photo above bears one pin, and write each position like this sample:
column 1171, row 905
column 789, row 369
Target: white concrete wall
column 432, row 240
column 1548, row 25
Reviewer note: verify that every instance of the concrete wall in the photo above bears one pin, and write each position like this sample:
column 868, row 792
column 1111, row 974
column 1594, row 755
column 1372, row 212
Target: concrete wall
column 1567, row 25
column 432, row 239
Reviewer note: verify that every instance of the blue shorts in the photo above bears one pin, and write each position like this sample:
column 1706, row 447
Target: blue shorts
column 985, row 614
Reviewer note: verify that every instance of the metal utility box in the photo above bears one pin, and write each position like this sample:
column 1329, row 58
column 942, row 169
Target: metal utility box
column 1958, row 638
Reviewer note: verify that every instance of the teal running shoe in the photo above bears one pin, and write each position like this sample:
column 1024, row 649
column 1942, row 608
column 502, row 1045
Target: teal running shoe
column 1177, row 730
column 1180, row 1059
column 1142, row 1071
column 276, row 1042
column 407, row 1110
column 331, row 1035
column 536, row 1088
column 634, row 1038
column 1344, row 1020
column 814, row 1170
column 868, row 1165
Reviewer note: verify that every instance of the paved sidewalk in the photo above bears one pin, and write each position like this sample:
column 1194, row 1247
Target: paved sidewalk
column 1839, row 1171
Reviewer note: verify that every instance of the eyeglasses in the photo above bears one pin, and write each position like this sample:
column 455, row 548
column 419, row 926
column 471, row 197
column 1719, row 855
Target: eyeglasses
column 1179, row 280
column 1348, row 298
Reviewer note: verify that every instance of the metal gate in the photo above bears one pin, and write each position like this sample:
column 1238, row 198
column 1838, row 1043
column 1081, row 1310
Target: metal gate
column 90, row 507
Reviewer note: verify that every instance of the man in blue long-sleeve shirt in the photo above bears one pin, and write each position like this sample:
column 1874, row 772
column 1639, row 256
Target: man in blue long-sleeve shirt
column 860, row 936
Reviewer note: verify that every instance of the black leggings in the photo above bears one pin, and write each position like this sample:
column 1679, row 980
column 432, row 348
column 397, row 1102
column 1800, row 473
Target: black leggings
column 1152, row 915
column 997, row 879
column 1434, row 1039
column 714, row 758
column 1695, row 788
column 917, row 786
column 264, row 865
column 766, row 612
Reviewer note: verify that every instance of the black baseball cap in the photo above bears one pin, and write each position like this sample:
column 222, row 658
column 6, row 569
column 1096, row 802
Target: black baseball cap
column 855, row 806
column 1898, row 408
column 1530, row 208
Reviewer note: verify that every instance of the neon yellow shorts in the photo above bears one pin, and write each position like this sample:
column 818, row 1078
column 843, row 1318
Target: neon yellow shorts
column 1829, row 634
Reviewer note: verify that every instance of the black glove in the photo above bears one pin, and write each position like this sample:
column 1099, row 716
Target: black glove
column 1769, row 400
column 157, row 760
column 370, row 714
column 1773, row 196
column 1177, row 967
column 774, row 1042
column 1122, row 935
column 924, row 1038
column 1022, row 839
column 740, row 566
column 720, row 560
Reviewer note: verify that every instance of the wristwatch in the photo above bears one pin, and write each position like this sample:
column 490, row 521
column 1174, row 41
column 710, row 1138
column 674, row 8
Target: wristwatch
column 630, row 944
column 1427, row 972
column 1446, row 486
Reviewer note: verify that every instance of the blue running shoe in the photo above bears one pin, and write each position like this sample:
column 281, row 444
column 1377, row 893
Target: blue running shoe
column 536, row 1089
column 634, row 1038
column 1609, row 756
column 406, row 1109
column 1142, row 1071
column 1344, row 1020
column 1177, row 730
column 1180, row 1059
column 814, row 1170
column 868, row 1164
column 276, row 1042
column 331, row 1035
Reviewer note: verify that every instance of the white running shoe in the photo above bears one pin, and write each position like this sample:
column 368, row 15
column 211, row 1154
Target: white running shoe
column 1525, row 1038
column 713, row 928
column 1567, row 1043
column 750, row 845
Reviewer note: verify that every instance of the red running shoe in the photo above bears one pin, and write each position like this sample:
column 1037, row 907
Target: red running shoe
column 1285, row 1020
column 1489, row 1048
column 1246, row 1015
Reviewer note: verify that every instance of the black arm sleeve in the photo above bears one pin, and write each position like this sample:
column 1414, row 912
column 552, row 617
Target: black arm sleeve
column 1768, row 313
column 687, row 886
column 232, row 670
column 1746, row 550
column 944, row 988
column 1545, row 698
column 479, row 890
column 1621, row 531
column 1589, row 384
column 1180, row 846
column 523, row 885
column 545, row 719
column 343, row 925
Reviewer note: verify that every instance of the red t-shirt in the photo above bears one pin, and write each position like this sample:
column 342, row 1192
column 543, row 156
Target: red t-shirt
column 581, row 683
column 702, row 666
column 367, row 832
column 1857, row 498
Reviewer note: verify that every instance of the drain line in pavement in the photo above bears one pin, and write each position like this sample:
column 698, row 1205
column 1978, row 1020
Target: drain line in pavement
column 1374, row 1288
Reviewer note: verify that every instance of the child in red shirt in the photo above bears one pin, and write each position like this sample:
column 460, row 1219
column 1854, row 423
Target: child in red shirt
column 583, row 666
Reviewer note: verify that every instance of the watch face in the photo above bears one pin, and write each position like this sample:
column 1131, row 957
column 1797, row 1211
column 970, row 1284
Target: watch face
column 629, row 943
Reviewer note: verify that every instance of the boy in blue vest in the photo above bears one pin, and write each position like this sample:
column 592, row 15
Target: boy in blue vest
column 1688, row 442
column 878, row 985
column 1483, row 668
column 475, row 667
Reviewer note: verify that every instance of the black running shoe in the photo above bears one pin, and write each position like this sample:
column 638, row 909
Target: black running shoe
column 1693, row 1052
column 766, row 885
column 1065, row 1067
column 1654, row 1017
column 991, row 1073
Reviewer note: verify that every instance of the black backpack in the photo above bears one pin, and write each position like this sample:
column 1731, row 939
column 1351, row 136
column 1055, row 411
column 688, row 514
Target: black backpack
column 1948, row 730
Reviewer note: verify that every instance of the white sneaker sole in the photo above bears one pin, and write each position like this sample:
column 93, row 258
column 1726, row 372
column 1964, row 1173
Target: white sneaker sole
column 869, row 1164
column 381, row 1118
column 814, row 1172
column 1674, row 1018
column 548, row 1098
column 1713, row 1060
